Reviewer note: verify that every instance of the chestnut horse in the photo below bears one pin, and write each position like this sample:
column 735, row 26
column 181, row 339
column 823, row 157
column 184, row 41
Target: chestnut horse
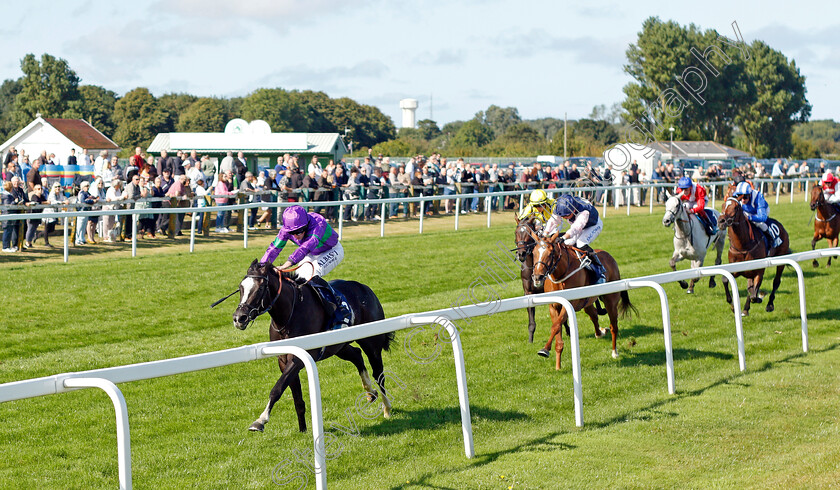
column 561, row 265
column 826, row 221
column 746, row 243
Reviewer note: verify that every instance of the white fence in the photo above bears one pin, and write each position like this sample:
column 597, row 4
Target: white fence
column 626, row 191
column 107, row 378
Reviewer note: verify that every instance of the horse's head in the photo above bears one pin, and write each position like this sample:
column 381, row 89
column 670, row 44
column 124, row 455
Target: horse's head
column 731, row 214
column 254, row 294
column 730, row 190
column 673, row 209
column 524, row 240
column 545, row 258
column 817, row 197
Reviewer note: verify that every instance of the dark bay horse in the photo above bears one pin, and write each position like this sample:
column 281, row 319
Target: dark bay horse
column 561, row 265
column 746, row 243
column 524, row 246
column 296, row 309
column 826, row 221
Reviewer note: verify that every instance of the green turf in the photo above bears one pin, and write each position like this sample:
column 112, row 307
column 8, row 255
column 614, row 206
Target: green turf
column 774, row 426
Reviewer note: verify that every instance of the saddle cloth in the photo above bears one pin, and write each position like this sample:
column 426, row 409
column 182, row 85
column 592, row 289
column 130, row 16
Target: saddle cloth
column 334, row 302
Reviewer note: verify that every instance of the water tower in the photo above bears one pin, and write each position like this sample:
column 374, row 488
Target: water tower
column 408, row 106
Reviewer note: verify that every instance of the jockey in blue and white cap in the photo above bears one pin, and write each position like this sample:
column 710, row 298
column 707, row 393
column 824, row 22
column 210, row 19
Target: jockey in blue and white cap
column 755, row 208
column 585, row 226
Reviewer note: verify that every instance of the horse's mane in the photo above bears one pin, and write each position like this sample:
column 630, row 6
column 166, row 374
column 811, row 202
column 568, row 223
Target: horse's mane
column 294, row 278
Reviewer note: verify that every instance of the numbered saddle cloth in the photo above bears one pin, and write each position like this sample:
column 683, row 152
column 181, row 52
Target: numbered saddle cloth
column 335, row 302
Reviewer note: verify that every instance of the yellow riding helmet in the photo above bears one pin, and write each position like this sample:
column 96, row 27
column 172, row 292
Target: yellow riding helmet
column 538, row 197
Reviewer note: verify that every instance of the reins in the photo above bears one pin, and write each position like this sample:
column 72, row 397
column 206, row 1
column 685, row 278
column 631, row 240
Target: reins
column 731, row 222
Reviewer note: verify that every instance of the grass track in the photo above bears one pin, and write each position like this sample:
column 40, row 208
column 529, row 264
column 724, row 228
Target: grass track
column 775, row 425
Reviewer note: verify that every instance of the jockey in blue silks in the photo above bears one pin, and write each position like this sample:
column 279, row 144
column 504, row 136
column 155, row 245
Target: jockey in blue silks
column 584, row 228
column 755, row 209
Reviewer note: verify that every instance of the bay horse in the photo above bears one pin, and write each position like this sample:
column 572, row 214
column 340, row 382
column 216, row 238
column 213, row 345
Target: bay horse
column 561, row 265
column 525, row 243
column 746, row 243
column 826, row 221
column 524, row 246
column 690, row 239
column 296, row 309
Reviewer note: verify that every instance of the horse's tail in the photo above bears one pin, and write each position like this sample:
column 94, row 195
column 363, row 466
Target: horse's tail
column 625, row 306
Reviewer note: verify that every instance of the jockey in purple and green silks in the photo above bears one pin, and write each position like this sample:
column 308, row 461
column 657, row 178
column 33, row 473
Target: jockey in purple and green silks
column 317, row 244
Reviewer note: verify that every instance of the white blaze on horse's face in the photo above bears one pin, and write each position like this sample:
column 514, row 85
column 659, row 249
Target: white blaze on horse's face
column 249, row 286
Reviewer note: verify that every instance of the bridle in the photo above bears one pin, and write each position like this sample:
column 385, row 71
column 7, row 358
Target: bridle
column 266, row 304
column 819, row 204
column 729, row 221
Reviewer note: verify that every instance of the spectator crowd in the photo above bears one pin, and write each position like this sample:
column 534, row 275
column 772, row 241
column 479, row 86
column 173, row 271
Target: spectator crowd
column 151, row 182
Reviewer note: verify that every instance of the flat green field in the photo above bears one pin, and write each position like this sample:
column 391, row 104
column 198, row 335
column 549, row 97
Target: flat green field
column 774, row 426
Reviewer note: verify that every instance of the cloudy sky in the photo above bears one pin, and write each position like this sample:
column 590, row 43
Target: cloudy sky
column 545, row 57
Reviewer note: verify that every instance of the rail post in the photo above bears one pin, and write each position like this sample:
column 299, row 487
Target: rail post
column 575, row 338
column 121, row 410
column 315, row 407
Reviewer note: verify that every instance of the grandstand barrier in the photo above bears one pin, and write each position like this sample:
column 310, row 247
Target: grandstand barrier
column 422, row 200
column 107, row 378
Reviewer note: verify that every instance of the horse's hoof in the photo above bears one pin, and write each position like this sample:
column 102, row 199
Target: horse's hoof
column 683, row 284
column 712, row 284
column 256, row 427
column 600, row 333
column 386, row 412
column 816, row 263
column 690, row 291
column 770, row 308
column 745, row 313
column 542, row 353
column 615, row 354
column 601, row 311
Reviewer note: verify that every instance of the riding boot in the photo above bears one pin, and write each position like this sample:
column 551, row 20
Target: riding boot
column 337, row 308
column 595, row 265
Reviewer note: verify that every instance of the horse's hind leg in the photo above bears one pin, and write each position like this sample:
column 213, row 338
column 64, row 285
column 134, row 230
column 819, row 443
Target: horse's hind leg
column 777, row 279
column 374, row 356
column 814, row 241
column 558, row 315
column 612, row 308
column 354, row 355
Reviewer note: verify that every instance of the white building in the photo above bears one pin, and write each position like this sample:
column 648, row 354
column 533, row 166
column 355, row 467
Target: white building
column 59, row 136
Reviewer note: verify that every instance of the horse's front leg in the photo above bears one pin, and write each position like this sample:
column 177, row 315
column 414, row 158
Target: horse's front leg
column 673, row 263
column 831, row 243
column 558, row 315
column 729, row 293
column 532, row 324
column 291, row 372
column 695, row 264
column 816, row 263
column 777, row 279
column 746, row 310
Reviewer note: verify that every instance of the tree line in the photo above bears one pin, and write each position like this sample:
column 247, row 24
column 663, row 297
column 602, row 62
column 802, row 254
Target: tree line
column 50, row 87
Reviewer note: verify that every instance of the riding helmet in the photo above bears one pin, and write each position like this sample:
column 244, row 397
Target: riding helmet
column 742, row 189
column 684, row 183
column 294, row 219
column 538, row 197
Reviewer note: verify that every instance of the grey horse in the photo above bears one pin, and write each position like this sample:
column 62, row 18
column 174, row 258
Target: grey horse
column 690, row 239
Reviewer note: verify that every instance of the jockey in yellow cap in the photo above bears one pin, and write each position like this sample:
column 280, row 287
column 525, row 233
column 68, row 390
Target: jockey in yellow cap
column 539, row 206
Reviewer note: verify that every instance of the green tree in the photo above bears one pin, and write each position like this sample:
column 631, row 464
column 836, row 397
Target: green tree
column 48, row 87
column 498, row 119
column 473, row 134
column 139, row 119
column 599, row 131
column 522, row 133
column 96, row 107
column 315, row 109
column 276, row 107
column 451, row 128
column 174, row 105
column 205, row 115
column 394, row 148
column 429, row 129
column 779, row 103
column 668, row 57
column 8, row 91
column 547, row 126
column 803, row 149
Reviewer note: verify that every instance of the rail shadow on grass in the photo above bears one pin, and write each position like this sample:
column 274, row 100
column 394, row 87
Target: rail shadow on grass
column 653, row 411
column 630, row 358
column 429, row 418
